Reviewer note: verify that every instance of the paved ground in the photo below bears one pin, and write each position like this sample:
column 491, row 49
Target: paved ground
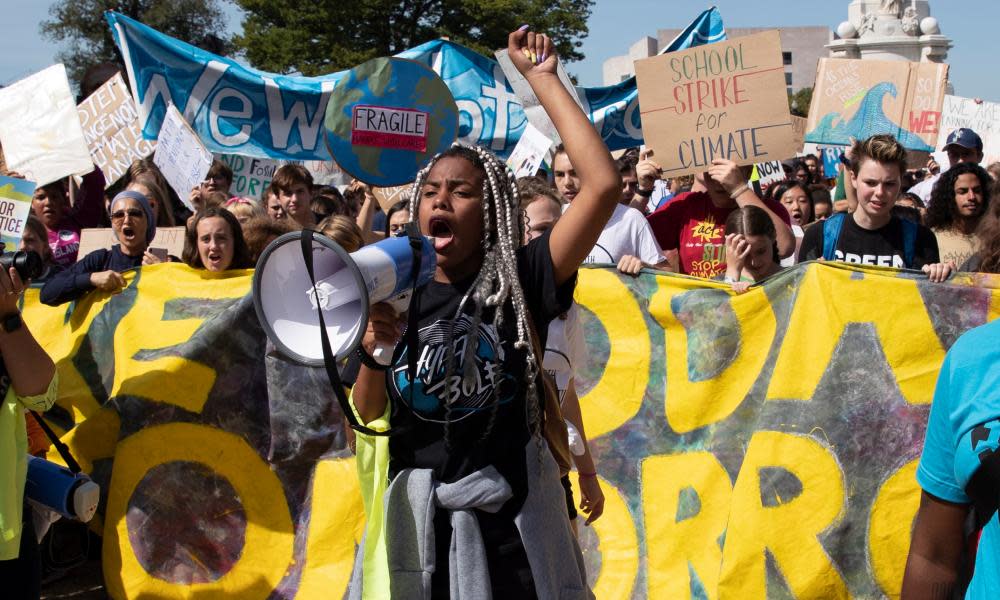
column 82, row 583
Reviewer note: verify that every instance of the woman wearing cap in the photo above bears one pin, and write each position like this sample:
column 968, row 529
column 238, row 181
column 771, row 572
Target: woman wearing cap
column 134, row 224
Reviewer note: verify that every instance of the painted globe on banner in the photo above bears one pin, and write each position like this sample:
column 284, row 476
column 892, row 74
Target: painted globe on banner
column 386, row 118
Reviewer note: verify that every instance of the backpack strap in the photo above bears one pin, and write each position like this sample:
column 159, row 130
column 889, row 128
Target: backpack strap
column 909, row 242
column 831, row 234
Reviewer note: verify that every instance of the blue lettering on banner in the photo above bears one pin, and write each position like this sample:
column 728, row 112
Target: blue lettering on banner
column 238, row 110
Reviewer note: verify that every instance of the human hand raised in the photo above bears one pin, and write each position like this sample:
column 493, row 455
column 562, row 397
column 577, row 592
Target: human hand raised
column 647, row 172
column 532, row 53
column 727, row 174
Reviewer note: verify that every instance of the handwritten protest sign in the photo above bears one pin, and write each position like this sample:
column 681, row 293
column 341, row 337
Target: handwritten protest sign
column 983, row 118
column 387, row 196
column 721, row 100
column 860, row 98
column 799, row 127
column 326, row 172
column 170, row 239
column 111, row 127
column 770, row 172
column 251, row 175
column 15, row 205
column 530, row 151
column 529, row 102
column 41, row 134
column 181, row 156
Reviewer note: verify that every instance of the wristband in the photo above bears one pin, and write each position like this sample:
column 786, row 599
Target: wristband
column 739, row 191
column 369, row 361
column 644, row 193
column 583, row 475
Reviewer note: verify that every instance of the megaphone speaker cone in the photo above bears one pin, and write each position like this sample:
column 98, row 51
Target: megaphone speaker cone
column 286, row 300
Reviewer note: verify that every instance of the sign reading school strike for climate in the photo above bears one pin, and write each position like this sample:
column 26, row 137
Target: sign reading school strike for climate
column 745, row 443
column 856, row 98
column 112, row 129
column 723, row 100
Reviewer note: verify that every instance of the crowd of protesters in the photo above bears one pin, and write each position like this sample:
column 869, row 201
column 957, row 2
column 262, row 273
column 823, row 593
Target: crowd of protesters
column 717, row 225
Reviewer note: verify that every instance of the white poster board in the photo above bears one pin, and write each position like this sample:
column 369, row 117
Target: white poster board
column 529, row 152
column 982, row 118
column 529, row 102
column 39, row 128
column 181, row 156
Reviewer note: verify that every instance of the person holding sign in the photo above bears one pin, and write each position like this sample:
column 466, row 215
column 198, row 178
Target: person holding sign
column 693, row 222
column 470, row 428
column 872, row 235
column 134, row 224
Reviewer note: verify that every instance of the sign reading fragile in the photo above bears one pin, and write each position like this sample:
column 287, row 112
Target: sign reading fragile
column 723, row 100
column 384, row 127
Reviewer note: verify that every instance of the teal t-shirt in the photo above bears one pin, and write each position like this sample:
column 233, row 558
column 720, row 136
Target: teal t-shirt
column 962, row 431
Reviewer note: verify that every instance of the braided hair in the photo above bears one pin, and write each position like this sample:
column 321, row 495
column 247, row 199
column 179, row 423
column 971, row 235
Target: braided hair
column 497, row 282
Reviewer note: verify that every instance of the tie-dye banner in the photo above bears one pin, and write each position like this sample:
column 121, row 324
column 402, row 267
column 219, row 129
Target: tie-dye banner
column 750, row 446
column 240, row 110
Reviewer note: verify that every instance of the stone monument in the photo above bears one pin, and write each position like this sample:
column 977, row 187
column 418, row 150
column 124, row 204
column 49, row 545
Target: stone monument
column 890, row 30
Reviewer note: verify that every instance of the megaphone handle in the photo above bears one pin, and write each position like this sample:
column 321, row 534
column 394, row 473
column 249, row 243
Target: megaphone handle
column 382, row 354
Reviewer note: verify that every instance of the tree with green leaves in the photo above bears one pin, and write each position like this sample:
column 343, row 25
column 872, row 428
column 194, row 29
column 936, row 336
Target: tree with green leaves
column 81, row 23
column 798, row 103
column 316, row 37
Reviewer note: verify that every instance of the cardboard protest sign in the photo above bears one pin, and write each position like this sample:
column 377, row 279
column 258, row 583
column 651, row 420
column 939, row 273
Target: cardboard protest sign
column 15, row 206
column 722, row 100
column 799, row 128
column 327, row 172
column 529, row 102
column 181, row 156
column 857, row 99
column 386, row 118
column 387, row 196
column 170, row 239
column 529, row 153
column 111, row 127
column 983, row 118
column 39, row 129
column 251, row 175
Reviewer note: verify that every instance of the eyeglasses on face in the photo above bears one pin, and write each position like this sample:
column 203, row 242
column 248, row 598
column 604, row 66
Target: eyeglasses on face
column 119, row 215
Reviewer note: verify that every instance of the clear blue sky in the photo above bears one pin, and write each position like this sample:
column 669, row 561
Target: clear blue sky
column 616, row 24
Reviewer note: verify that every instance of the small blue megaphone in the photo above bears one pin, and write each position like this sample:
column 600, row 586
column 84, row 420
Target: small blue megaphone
column 73, row 495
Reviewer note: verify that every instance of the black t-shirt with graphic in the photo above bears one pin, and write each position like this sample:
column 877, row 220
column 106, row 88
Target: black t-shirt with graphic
column 880, row 247
column 496, row 376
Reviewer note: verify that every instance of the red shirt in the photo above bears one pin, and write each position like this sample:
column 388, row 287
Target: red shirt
column 694, row 226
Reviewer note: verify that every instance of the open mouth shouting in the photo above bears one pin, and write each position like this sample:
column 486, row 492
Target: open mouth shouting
column 441, row 230
column 128, row 234
column 214, row 260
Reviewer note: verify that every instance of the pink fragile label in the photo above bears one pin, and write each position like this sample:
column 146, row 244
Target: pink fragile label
column 387, row 127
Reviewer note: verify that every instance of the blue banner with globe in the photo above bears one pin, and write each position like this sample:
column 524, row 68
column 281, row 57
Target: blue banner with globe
column 240, row 110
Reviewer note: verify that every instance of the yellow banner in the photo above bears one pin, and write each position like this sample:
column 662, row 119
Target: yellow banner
column 750, row 446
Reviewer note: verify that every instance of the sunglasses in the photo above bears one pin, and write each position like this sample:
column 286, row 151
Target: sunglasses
column 119, row 215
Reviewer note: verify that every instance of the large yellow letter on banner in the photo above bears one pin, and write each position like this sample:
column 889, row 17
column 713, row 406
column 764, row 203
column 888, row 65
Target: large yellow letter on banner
column 147, row 378
column 790, row 530
column 893, row 305
column 617, row 541
column 618, row 395
column 268, row 541
column 890, row 528
column 336, row 524
column 678, row 547
column 694, row 404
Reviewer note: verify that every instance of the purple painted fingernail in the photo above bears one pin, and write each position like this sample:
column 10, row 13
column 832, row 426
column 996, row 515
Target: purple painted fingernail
column 544, row 55
column 523, row 27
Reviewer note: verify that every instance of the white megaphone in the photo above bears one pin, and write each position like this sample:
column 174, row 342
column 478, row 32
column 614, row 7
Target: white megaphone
column 288, row 304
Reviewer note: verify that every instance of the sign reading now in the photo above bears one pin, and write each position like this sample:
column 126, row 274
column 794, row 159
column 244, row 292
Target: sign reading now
column 384, row 127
